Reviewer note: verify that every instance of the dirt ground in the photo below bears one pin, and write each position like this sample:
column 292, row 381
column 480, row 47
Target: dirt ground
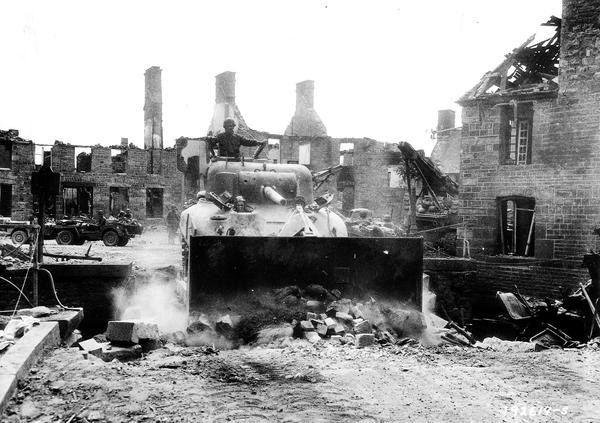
column 295, row 381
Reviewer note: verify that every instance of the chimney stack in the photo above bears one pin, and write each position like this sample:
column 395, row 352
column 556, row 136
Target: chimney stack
column 306, row 122
column 124, row 142
column 225, row 87
column 153, row 131
column 446, row 119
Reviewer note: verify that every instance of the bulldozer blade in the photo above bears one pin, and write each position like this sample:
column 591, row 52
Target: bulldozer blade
column 389, row 268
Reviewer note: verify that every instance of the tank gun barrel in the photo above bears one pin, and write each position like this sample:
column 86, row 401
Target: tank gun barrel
column 273, row 195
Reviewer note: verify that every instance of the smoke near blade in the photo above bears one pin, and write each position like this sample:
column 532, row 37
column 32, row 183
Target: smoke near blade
column 154, row 301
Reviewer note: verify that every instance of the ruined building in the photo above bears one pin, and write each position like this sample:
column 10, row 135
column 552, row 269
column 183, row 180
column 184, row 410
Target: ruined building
column 529, row 166
column 96, row 178
column 370, row 176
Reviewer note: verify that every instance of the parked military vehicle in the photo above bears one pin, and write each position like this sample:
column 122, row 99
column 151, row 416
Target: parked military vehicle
column 76, row 231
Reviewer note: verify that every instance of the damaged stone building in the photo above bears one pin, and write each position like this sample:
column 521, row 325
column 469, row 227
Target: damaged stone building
column 529, row 145
column 96, row 178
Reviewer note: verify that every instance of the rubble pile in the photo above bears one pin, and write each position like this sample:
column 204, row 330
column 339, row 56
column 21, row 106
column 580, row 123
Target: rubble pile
column 12, row 257
column 316, row 314
column 14, row 328
column 124, row 340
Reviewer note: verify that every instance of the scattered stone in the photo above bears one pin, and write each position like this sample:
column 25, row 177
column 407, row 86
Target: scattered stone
column 323, row 316
column 345, row 317
column 330, row 323
column 224, row 326
column 312, row 316
column 291, row 300
column 339, row 329
column 364, row 340
column 29, row 410
column 113, row 352
column 312, row 337
column 362, row 327
column 322, row 329
column 336, row 293
column 91, row 345
column 198, row 326
column 336, row 338
column 317, row 322
column 131, row 331
column 95, row 415
column 349, row 338
column 307, row 326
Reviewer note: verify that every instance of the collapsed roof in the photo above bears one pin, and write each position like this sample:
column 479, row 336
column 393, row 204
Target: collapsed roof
column 428, row 172
column 530, row 68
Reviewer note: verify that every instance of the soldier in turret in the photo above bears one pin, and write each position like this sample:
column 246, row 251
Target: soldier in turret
column 229, row 143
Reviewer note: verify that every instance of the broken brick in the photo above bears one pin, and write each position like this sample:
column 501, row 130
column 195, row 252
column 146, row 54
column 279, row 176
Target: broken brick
column 364, row 340
column 312, row 316
column 363, row 327
column 91, row 345
column 339, row 329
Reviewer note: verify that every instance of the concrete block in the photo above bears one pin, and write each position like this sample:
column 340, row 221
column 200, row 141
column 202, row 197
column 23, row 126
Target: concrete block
column 364, row 340
column 131, row 331
column 323, row 316
column 339, row 329
column 91, row 345
column 363, row 327
column 306, row 326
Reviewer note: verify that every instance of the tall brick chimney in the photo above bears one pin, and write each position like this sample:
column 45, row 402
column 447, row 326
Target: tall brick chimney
column 306, row 122
column 446, row 119
column 153, row 131
column 225, row 87
column 225, row 107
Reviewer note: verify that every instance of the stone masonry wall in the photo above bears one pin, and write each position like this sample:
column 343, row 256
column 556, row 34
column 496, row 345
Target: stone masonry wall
column 564, row 176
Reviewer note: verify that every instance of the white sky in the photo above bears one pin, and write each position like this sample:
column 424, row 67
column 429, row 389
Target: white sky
column 74, row 70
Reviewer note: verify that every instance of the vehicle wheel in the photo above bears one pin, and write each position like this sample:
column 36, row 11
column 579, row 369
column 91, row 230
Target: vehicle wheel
column 19, row 236
column 65, row 237
column 110, row 238
column 123, row 241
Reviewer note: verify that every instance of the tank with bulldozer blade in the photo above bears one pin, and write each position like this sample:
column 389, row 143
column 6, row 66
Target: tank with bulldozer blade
column 259, row 227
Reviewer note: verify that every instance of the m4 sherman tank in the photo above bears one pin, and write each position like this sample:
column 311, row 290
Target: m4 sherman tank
column 259, row 226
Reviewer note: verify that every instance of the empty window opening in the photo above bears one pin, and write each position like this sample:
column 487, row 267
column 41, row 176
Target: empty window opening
column 78, row 201
column 119, row 200
column 394, row 178
column 274, row 151
column 119, row 160
column 5, row 154
column 5, row 200
column 346, row 153
column 43, row 155
column 304, row 154
column 517, row 225
column 83, row 159
column 516, row 133
column 154, row 202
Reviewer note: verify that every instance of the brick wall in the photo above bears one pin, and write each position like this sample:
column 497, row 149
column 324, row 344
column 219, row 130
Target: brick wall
column 564, row 176
column 101, row 177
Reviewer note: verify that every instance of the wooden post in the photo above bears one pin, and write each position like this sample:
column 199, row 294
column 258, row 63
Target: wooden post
column 530, row 233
